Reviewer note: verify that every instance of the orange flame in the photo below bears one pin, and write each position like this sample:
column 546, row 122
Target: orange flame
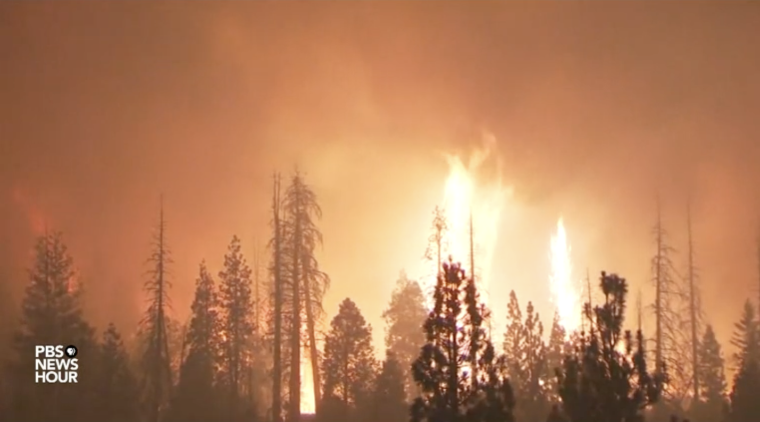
column 35, row 217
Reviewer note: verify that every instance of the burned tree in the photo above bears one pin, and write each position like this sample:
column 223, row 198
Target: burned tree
column 305, row 284
column 156, row 360
column 694, row 306
column 276, row 270
column 671, row 350
column 437, row 239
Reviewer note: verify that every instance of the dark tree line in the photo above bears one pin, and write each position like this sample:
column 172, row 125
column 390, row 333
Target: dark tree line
column 440, row 364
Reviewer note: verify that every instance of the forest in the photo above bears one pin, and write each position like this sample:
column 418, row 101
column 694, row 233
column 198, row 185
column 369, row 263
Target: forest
column 238, row 357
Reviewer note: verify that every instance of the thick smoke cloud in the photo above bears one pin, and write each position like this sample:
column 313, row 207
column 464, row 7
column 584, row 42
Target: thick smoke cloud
column 596, row 109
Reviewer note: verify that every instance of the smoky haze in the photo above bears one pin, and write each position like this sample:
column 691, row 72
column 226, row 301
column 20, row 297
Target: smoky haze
column 596, row 109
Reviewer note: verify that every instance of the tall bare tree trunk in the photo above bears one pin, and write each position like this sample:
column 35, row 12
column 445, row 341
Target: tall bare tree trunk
column 313, row 353
column 294, row 414
column 639, row 325
column 473, row 356
column 658, row 311
column 277, row 270
column 693, row 312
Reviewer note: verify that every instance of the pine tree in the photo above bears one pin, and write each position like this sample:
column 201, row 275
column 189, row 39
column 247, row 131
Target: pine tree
column 745, row 338
column 695, row 309
column 277, row 274
column 306, row 285
column 555, row 355
column 672, row 345
column 525, row 353
column 532, row 403
column 389, row 396
column 118, row 395
column 197, row 396
column 437, row 239
column 514, row 340
column 712, row 380
column 349, row 363
column 155, row 359
column 403, row 320
column 744, row 403
column 603, row 383
column 51, row 315
column 454, row 332
column 236, row 306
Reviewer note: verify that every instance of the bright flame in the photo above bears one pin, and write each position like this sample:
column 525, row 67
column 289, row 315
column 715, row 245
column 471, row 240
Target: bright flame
column 565, row 293
column 470, row 196
column 307, row 388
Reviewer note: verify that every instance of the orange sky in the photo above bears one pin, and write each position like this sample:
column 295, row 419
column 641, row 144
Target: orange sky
column 594, row 107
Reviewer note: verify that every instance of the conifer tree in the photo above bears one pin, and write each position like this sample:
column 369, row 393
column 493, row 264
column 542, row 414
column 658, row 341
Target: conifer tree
column 349, row 363
column 532, row 403
column 155, row 357
column 306, row 283
column 403, row 320
column 514, row 340
column 454, row 332
column 197, row 396
column 236, row 306
column 118, row 395
column 389, row 396
column 695, row 308
column 555, row 354
column 603, row 383
column 712, row 380
column 277, row 292
column 745, row 405
column 745, row 338
column 51, row 314
column 671, row 340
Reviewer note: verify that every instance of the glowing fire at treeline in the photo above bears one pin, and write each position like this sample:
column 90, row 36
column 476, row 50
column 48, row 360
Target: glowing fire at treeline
column 472, row 209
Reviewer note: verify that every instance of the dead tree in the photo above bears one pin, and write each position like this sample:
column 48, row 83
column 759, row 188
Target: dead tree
column 154, row 326
column 276, row 270
column 670, row 324
column 695, row 314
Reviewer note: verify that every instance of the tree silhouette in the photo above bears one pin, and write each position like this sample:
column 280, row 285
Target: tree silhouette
column 525, row 353
column 197, row 396
column 532, row 403
column 602, row 383
column 712, row 380
column 454, row 333
column 236, row 306
column 556, row 350
column 51, row 315
column 745, row 405
column 745, row 338
column 156, row 360
column 306, row 283
column 118, row 399
column 694, row 320
column 277, row 273
column 672, row 348
column 403, row 320
column 349, row 363
column 389, row 395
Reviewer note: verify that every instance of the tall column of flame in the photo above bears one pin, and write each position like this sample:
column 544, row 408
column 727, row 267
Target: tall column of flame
column 564, row 291
column 472, row 205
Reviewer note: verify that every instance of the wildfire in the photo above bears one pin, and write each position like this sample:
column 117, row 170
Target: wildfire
column 472, row 204
column 564, row 291
column 307, row 388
